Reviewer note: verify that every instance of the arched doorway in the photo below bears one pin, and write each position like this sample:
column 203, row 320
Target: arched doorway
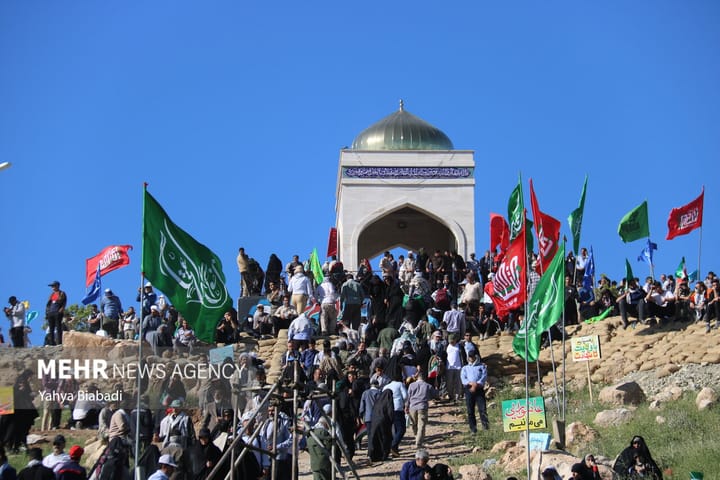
column 406, row 227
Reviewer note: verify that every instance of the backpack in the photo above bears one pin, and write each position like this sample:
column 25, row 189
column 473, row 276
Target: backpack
column 441, row 298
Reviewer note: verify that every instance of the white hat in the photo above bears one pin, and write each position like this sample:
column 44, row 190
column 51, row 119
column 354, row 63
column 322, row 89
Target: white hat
column 246, row 416
column 154, row 307
column 148, row 284
column 167, row 460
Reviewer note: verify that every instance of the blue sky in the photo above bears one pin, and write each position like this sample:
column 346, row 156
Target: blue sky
column 235, row 114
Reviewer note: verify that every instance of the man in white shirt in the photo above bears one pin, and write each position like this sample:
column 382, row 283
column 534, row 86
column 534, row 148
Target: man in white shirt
column 327, row 296
column 452, row 370
column 57, row 456
column 397, row 387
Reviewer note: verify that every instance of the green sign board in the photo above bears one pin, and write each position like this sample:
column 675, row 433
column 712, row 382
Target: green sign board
column 515, row 414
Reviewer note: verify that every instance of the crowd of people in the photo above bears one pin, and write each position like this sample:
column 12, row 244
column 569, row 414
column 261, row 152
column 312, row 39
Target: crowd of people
column 403, row 342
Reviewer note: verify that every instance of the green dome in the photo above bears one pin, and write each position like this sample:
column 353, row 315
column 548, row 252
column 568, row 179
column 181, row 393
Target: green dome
column 402, row 131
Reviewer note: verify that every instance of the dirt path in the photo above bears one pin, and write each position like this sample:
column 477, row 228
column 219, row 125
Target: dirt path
column 444, row 438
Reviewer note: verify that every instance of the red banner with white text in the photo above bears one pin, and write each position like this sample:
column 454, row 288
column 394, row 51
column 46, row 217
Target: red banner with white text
column 687, row 218
column 111, row 258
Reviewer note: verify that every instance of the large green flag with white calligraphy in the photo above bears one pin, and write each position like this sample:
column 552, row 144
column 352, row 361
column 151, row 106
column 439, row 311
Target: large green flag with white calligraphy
column 544, row 308
column 186, row 271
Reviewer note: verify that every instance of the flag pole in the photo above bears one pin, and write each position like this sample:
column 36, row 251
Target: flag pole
column 652, row 267
column 564, row 402
column 699, row 251
column 140, row 341
column 527, row 365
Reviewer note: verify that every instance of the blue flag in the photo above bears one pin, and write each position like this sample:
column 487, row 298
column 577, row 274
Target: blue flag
column 95, row 289
column 647, row 253
column 589, row 271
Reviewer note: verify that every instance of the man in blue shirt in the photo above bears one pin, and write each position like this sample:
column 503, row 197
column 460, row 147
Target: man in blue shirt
column 473, row 377
column 417, row 469
column 111, row 308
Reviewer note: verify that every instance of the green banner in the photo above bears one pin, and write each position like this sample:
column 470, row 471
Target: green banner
column 316, row 268
column 575, row 219
column 544, row 308
column 186, row 271
column 516, row 210
column 634, row 225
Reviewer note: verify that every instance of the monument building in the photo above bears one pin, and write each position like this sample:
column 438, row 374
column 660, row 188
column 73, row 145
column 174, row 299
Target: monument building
column 402, row 184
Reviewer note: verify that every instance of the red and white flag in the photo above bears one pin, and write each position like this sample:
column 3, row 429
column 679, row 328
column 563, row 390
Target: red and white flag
column 509, row 281
column 111, row 258
column 548, row 232
column 687, row 218
column 332, row 242
column 499, row 232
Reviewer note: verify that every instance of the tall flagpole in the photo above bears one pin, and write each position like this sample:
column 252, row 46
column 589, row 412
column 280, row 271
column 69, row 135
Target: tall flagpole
column 527, row 365
column 652, row 267
column 700, row 238
column 140, row 341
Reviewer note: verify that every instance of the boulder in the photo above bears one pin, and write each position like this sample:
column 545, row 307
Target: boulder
column 706, row 398
column 579, row 435
column 473, row 472
column 503, row 446
column 616, row 417
column 85, row 340
column 669, row 393
column 625, row 393
column 562, row 461
column 514, row 460
column 667, row 369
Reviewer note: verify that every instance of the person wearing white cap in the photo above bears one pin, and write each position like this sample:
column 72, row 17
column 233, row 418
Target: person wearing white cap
column 111, row 308
column 148, row 298
column 151, row 328
column 248, row 427
column 166, row 467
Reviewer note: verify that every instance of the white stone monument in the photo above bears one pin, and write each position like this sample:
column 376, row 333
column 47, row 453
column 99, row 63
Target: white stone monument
column 403, row 185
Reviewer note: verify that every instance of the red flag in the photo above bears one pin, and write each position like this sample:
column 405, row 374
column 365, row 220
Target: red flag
column 687, row 218
column 509, row 280
column 499, row 232
column 332, row 242
column 111, row 258
column 548, row 232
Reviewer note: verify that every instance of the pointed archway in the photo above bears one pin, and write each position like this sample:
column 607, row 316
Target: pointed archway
column 407, row 227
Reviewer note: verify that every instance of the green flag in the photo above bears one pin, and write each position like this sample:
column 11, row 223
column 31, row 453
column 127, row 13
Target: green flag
column 516, row 210
column 575, row 219
column 635, row 225
column 628, row 272
column 544, row 309
column 681, row 271
column 315, row 267
column 602, row 316
column 186, row 271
